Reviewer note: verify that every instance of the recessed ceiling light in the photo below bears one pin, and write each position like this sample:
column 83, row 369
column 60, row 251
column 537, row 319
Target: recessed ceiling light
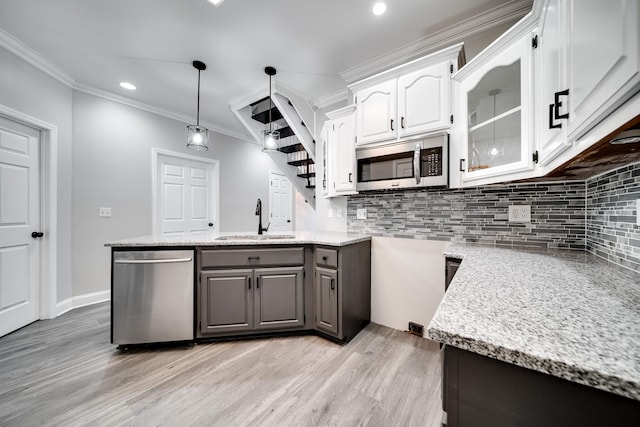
column 127, row 86
column 216, row 3
column 379, row 8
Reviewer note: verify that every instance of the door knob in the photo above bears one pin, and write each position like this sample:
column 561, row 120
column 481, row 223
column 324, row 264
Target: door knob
column 210, row 224
column 37, row 234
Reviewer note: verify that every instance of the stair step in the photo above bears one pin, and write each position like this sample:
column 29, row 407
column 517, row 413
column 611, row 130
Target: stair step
column 292, row 148
column 302, row 162
column 286, row 132
column 310, row 186
column 307, row 175
column 260, row 111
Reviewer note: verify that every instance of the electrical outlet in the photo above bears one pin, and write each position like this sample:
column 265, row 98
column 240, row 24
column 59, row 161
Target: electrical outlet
column 104, row 212
column 339, row 213
column 361, row 213
column 520, row 213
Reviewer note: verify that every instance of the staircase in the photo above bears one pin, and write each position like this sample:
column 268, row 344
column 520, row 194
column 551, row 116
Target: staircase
column 296, row 148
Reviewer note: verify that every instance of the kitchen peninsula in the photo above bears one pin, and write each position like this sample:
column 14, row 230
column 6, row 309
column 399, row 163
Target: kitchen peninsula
column 539, row 338
column 240, row 285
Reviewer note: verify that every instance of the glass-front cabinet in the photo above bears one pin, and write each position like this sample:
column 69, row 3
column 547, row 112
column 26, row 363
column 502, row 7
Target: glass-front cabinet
column 496, row 124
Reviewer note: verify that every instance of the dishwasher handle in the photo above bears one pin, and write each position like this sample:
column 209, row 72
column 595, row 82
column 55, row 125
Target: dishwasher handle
column 151, row 261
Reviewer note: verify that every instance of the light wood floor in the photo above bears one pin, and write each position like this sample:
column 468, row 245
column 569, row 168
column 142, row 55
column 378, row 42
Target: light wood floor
column 64, row 372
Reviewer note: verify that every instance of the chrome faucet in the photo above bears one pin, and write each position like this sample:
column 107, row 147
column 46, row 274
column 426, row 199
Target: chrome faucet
column 259, row 213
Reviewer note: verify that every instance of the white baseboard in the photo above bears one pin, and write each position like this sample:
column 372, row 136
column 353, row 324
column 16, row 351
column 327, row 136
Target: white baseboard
column 81, row 301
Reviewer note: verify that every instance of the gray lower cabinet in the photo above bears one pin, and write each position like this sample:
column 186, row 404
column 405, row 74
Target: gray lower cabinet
column 342, row 290
column 326, row 300
column 251, row 299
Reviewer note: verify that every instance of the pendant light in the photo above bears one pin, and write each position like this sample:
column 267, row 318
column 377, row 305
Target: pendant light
column 270, row 137
column 197, row 136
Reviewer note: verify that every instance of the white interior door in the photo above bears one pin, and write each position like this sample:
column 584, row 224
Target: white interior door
column 19, row 217
column 186, row 195
column 280, row 203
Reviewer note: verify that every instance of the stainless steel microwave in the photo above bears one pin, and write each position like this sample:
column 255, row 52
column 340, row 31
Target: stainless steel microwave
column 408, row 164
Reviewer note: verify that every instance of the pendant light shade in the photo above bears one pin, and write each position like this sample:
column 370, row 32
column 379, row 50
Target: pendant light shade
column 270, row 137
column 198, row 136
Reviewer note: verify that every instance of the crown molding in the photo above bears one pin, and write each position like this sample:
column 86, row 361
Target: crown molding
column 509, row 12
column 27, row 53
column 331, row 99
column 185, row 118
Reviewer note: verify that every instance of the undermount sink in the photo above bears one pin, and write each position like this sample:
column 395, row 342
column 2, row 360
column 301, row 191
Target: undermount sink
column 257, row 237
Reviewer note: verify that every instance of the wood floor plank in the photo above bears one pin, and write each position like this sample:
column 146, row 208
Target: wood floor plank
column 65, row 372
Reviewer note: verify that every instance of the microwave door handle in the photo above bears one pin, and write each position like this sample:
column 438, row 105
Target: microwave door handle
column 416, row 162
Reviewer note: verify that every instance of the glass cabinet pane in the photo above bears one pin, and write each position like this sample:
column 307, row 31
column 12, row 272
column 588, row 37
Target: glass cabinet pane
column 494, row 105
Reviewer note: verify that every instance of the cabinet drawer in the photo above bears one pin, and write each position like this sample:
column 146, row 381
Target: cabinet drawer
column 327, row 257
column 252, row 257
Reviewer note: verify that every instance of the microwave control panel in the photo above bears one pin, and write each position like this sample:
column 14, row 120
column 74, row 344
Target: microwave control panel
column 431, row 161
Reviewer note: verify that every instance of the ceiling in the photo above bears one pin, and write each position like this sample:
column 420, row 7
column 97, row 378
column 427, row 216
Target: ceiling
column 151, row 43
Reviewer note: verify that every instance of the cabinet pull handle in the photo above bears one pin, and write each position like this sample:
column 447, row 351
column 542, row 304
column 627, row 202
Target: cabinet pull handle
column 462, row 165
column 402, row 122
column 333, row 285
column 350, row 177
column 256, row 258
column 392, row 125
column 324, row 258
column 249, row 282
column 558, row 104
column 551, row 125
column 257, row 283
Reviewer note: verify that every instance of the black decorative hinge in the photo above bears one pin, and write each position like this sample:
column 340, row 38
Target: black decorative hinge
column 534, row 42
column 535, row 156
column 451, row 68
column 451, row 119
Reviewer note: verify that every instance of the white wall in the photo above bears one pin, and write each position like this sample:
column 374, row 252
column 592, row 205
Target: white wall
column 407, row 280
column 30, row 91
column 112, row 168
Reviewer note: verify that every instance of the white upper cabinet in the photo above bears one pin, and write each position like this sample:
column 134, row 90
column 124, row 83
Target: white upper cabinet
column 376, row 112
column 408, row 100
column 587, row 65
column 339, row 176
column 551, row 82
column 495, row 114
column 603, row 58
column 423, row 100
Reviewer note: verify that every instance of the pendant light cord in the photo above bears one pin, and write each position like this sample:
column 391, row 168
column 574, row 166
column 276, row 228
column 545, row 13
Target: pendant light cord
column 198, row 110
column 270, row 107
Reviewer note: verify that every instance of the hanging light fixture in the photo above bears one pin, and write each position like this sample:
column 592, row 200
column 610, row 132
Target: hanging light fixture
column 197, row 136
column 270, row 137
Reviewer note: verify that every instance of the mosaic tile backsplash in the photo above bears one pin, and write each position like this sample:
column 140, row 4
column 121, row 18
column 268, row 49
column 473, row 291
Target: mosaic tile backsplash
column 597, row 215
column 611, row 216
column 479, row 214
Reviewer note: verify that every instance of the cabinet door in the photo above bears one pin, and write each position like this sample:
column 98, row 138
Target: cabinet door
column 498, row 140
column 603, row 58
column 550, row 79
column 326, row 300
column 326, row 163
column 226, row 301
column 279, row 301
column 376, row 113
column 423, row 100
column 344, row 155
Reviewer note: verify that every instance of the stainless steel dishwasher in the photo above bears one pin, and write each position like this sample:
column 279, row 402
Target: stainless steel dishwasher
column 152, row 296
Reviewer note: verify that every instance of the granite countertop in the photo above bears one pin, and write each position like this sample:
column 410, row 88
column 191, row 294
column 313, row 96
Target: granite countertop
column 564, row 313
column 244, row 238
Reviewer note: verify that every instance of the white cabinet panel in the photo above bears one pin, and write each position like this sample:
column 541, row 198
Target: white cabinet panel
column 603, row 57
column 376, row 112
column 423, row 100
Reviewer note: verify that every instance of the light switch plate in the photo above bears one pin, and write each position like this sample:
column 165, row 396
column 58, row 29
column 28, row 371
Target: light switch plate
column 104, row 212
column 361, row 213
column 520, row 213
column 637, row 211
column 339, row 213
